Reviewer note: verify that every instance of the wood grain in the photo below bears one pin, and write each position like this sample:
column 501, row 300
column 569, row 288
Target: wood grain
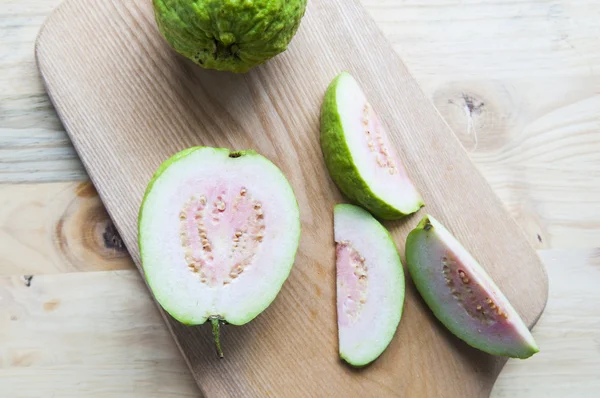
column 132, row 354
column 58, row 227
column 568, row 367
column 445, row 43
column 450, row 47
column 131, row 103
column 492, row 40
column 33, row 144
column 114, row 333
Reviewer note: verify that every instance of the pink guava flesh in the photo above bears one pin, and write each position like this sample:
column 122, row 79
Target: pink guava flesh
column 370, row 285
column 462, row 295
column 225, row 223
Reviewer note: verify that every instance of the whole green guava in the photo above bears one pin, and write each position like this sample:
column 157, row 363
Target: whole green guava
column 229, row 35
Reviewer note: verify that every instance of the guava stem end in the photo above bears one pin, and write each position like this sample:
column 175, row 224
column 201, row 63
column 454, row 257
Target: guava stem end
column 216, row 329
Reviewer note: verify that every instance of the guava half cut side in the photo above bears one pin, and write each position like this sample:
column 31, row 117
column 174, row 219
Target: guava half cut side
column 218, row 233
column 462, row 295
column 359, row 155
column 370, row 285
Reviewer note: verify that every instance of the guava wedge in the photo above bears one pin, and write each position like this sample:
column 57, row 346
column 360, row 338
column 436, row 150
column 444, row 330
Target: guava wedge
column 370, row 285
column 462, row 295
column 218, row 233
column 359, row 155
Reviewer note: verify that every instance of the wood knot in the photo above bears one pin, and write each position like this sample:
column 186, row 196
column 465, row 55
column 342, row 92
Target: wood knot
column 86, row 236
column 27, row 280
column 112, row 239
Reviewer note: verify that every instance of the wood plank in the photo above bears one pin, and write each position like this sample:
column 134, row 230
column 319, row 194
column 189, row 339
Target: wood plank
column 33, row 144
column 462, row 40
column 134, row 103
column 92, row 334
column 58, row 227
column 99, row 335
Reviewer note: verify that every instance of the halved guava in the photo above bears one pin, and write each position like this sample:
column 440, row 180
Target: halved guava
column 218, row 234
column 462, row 295
column 359, row 155
column 370, row 285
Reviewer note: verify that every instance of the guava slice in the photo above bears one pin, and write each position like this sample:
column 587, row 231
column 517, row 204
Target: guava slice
column 370, row 285
column 359, row 155
column 462, row 295
column 218, row 234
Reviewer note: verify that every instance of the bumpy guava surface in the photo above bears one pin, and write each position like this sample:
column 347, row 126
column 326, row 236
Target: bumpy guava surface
column 462, row 295
column 218, row 234
column 370, row 285
column 229, row 35
column 359, row 155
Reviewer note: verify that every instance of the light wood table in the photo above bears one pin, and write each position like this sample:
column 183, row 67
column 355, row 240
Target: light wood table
column 518, row 81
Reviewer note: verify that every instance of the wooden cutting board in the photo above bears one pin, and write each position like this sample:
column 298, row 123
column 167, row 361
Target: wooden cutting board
column 129, row 102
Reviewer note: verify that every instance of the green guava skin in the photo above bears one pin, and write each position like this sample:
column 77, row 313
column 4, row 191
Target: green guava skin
column 229, row 35
column 342, row 169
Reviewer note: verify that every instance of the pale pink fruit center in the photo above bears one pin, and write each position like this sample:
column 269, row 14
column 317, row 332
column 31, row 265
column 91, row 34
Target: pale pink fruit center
column 478, row 300
column 221, row 231
column 352, row 283
column 378, row 142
